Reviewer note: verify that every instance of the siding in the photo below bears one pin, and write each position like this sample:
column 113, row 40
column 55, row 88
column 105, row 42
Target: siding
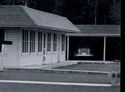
column 11, row 51
column 13, row 56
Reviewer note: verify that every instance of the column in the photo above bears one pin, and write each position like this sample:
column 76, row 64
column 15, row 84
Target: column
column 67, row 47
column 104, row 49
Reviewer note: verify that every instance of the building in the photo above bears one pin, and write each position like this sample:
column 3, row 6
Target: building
column 95, row 42
column 40, row 38
column 37, row 37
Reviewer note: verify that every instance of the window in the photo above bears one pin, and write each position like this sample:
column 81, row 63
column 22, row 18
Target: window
column 1, row 38
column 48, row 41
column 63, row 42
column 55, row 42
column 25, row 41
column 28, row 41
column 32, row 41
column 39, row 41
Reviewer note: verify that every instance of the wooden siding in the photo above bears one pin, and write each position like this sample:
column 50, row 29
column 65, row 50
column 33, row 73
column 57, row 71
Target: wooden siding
column 13, row 56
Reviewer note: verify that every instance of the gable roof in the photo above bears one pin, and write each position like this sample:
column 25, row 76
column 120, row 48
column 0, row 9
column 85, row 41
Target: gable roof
column 97, row 30
column 21, row 16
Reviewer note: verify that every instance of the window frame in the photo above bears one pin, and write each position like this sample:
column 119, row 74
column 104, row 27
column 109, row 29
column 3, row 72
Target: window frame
column 26, row 42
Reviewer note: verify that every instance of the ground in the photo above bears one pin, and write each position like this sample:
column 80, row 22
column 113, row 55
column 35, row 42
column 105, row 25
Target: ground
column 93, row 67
column 38, row 75
column 53, row 88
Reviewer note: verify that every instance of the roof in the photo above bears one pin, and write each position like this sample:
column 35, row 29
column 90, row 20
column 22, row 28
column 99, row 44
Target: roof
column 97, row 30
column 22, row 16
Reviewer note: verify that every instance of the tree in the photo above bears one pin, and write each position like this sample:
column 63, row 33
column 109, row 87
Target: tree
column 115, row 13
column 77, row 11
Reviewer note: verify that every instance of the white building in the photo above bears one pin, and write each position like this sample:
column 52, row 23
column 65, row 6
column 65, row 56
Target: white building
column 37, row 37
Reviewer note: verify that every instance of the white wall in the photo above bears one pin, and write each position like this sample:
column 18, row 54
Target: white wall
column 15, row 58
column 11, row 55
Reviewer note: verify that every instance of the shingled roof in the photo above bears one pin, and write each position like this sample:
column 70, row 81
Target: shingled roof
column 97, row 30
column 21, row 16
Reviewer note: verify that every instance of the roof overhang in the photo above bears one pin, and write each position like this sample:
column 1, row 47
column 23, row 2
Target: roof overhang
column 13, row 16
column 93, row 35
column 32, row 27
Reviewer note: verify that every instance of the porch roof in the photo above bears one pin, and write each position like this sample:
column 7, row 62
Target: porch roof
column 97, row 30
column 21, row 16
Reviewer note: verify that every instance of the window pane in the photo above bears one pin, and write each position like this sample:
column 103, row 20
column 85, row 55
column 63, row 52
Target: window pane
column 63, row 42
column 49, row 42
column 32, row 41
column 25, row 41
column 55, row 42
column 39, row 41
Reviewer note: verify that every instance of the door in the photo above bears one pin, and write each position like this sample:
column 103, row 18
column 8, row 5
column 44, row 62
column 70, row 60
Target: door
column 47, row 48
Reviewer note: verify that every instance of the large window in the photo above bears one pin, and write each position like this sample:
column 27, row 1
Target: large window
column 1, row 38
column 48, row 41
column 32, row 41
column 28, row 41
column 25, row 41
column 55, row 42
column 63, row 42
column 39, row 41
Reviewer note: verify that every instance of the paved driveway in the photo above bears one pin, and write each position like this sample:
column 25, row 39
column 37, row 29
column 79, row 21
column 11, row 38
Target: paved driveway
column 37, row 75
column 93, row 67
column 4, row 87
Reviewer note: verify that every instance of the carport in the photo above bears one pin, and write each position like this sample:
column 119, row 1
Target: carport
column 95, row 42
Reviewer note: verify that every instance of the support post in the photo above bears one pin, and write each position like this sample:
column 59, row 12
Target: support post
column 67, row 47
column 104, row 49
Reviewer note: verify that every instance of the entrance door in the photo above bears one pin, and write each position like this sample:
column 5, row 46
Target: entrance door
column 47, row 48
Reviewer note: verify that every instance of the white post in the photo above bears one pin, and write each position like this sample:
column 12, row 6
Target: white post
column 67, row 47
column 104, row 49
column 2, row 58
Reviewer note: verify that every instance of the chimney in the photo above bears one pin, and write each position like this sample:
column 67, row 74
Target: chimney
column 26, row 3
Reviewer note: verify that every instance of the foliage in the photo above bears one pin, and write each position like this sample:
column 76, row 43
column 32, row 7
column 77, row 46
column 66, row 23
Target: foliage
column 78, row 11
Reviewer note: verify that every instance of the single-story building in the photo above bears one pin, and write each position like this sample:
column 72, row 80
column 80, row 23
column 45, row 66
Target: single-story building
column 37, row 37
column 42, row 38
column 95, row 42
